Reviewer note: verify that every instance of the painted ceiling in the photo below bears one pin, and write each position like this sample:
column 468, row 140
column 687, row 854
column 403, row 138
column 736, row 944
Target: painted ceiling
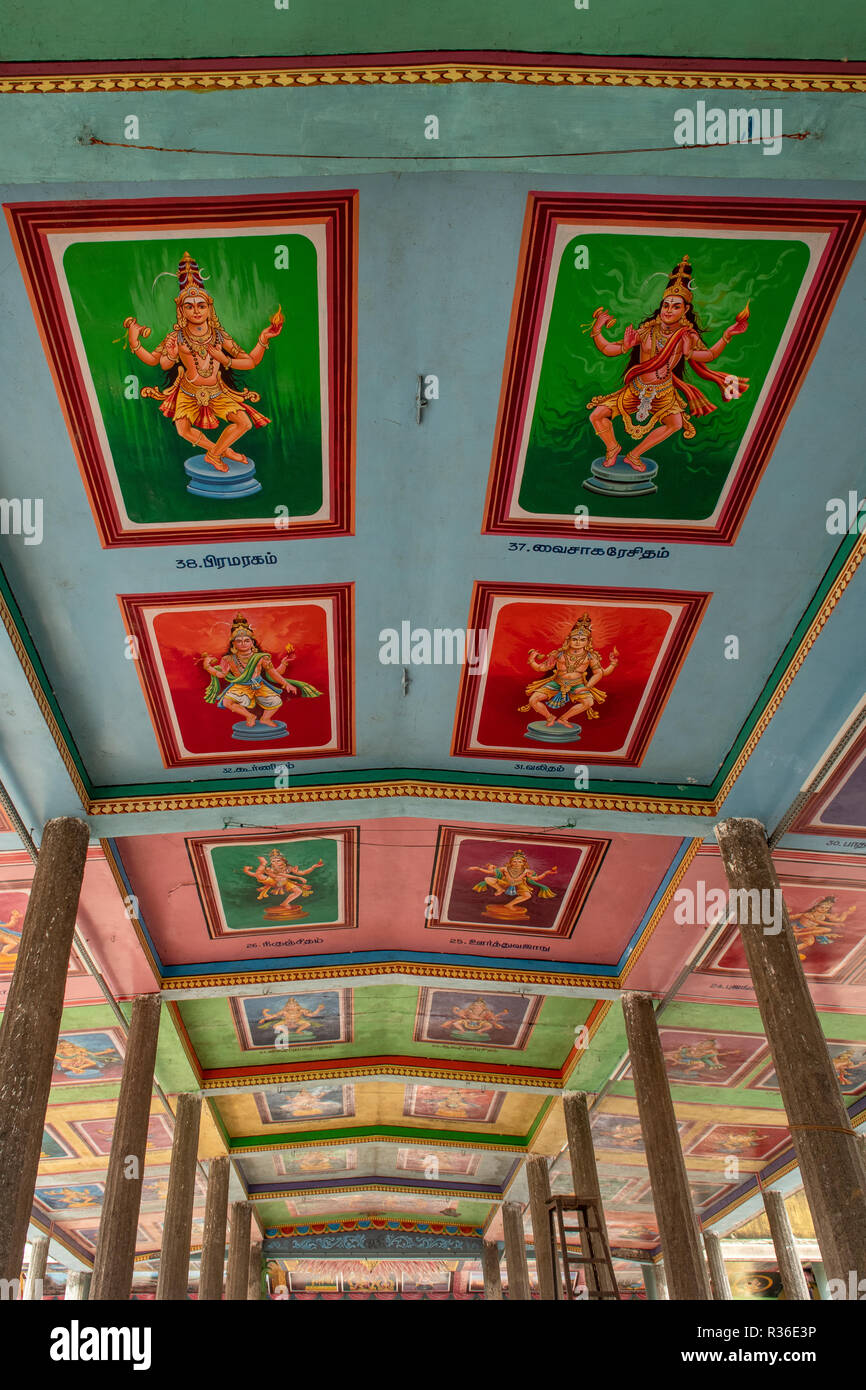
column 307, row 684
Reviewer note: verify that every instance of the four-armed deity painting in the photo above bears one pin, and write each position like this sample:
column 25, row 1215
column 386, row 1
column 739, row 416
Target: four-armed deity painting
column 225, row 681
column 255, row 884
column 204, row 352
column 655, row 348
column 827, row 919
column 280, row 1021
column 467, row 1018
column 500, row 881
column 576, row 674
column 696, row 1057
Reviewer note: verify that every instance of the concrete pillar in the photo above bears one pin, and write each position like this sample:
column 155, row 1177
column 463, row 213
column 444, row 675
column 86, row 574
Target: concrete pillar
column 78, row 1284
column 719, row 1282
column 239, row 1250
column 821, row 1281
column 515, row 1251
column 490, row 1268
column 213, row 1245
column 115, row 1245
column 254, row 1277
column 793, row 1278
column 177, row 1227
column 30, row 1027
column 36, row 1269
column 829, row 1156
column 584, row 1175
column 662, row 1283
column 649, row 1282
column 538, row 1178
column 678, row 1226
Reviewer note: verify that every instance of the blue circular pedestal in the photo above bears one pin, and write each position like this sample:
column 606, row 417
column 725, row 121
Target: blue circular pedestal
column 621, row 480
column 207, row 481
column 255, row 733
column 552, row 733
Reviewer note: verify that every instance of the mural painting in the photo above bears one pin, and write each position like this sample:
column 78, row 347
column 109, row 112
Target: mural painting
column 696, row 1057
column 253, row 883
column 838, row 807
column 440, row 1163
column 632, row 640
column 748, row 1142
column 88, row 1056
column 453, row 1104
column 499, row 881
column 827, row 917
column 654, row 352
column 466, row 1017
column 849, row 1064
column 54, row 1146
column 13, row 906
column 97, row 1134
column 293, row 1020
column 204, row 354
column 313, row 1161
column 305, row 1104
column 212, row 671
column 73, row 1198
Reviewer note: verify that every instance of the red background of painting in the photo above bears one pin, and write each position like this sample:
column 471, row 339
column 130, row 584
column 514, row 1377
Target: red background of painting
column 638, row 634
column 182, row 636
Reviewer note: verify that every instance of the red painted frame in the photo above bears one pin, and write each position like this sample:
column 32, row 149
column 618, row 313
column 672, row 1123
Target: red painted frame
column 844, row 221
column 32, row 223
column 472, row 686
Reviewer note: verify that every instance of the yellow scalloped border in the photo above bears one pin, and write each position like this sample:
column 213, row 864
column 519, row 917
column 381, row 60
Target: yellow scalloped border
column 264, row 74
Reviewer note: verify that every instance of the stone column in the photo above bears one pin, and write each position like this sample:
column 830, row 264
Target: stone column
column 36, row 1270
column 177, row 1228
column 719, row 1282
column 254, row 1279
column 662, row 1283
column 538, row 1178
column 678, row 1227
column 584, row 1175
column 213, row 1244
column 515, row 1251
column 490, row 1268
column 239, row 1250
column 829, row 1156
column 793, row 1278
column 31, row 1025
column 115, row 1245
column 78, row 1284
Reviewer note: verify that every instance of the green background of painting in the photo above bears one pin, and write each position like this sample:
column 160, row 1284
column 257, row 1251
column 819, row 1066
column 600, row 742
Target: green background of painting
column 108, row 281
column 238, row 891
column 726, row 272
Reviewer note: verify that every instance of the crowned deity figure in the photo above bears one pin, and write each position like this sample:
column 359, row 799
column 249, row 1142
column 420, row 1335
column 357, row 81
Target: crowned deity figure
column 476, row 1020
column 570, row 682
column 813, row 926
column 282, row 879
column 252, row 680
column 10, row 941
column 655, row 400
column 200, row 358
column 696, row 1058
column 71, row 1059
column 292, row 1019
column 513, row 880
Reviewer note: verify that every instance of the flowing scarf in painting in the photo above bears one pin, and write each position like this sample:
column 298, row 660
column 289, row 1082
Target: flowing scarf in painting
column 249, row 676
column 695, row 399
